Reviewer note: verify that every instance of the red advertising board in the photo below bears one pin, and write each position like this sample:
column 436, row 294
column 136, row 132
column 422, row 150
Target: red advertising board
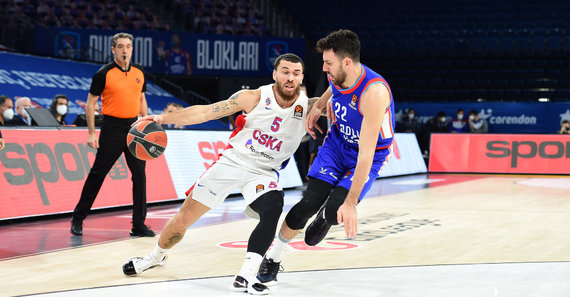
column 500, row 153
column 43, row 171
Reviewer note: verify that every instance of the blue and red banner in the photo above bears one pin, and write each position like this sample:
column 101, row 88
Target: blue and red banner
column 158, row 51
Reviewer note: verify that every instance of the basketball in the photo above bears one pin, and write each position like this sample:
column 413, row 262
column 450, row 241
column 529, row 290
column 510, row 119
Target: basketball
column 146, row 140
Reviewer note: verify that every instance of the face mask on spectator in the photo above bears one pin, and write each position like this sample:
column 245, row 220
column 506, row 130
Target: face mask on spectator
column 61, row 109
column 8, row 114
column 460, row 116
column 410, row 116
column 471, row 117
column 442, row 119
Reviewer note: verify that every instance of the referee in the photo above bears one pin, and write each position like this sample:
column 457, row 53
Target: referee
column 121, row 86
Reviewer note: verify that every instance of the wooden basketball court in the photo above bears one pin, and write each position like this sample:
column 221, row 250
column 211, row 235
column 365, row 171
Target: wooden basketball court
column 419, row 235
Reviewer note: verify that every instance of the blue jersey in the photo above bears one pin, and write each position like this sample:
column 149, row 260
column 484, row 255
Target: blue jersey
column 346, row 106
column 336, row 160
column 176, row 61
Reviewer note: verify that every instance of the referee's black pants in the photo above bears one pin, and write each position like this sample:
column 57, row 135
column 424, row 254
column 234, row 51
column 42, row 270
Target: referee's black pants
column 112, row 143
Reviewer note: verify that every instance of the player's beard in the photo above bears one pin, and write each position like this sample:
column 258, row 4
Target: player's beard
column 287, row 96
column 338, row 79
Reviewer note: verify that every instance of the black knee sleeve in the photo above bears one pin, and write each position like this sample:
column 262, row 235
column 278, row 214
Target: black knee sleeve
column 313, row 198
column 336, row 199
column 269, row 207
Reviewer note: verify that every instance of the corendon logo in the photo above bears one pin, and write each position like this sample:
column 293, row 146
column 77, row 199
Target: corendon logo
column 298, row 245
column 527, row 150
column 211, row 151
column 41, row 163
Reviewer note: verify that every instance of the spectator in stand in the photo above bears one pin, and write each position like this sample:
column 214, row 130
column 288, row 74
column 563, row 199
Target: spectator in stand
column 410, row 123
column 476, row 124
column 439, row 124
column 176, row 59
column 564, row 127
column 58, row 108
column 172, row 107
column 1, row 141
column 81, row 119
column 459, row 124
column 22, row 118
column 42, row 9
column 6, row 110
column 51, row 19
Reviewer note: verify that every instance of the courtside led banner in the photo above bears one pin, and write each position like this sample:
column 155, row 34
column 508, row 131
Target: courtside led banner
column 405, row 158
column 500, row 153
column 43, row 172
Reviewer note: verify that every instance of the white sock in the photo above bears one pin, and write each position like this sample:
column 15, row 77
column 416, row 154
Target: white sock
column 276, row 252
column 250, row 266
column 158, row 253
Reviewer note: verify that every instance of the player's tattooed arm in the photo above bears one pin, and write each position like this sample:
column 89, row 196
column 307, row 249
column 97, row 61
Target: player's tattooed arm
column 226, row 107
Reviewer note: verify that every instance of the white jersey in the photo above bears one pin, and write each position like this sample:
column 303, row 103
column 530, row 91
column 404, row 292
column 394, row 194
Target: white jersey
column 267, row 137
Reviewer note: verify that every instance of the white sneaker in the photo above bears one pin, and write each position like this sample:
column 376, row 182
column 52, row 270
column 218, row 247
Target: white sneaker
column 137, row 265
column 240, row 284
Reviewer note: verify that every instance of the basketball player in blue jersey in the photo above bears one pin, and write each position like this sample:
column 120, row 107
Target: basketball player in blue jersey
column 356, row 147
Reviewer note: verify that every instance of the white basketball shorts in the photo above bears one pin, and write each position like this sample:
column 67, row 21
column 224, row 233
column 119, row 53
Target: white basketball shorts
column 212, row 188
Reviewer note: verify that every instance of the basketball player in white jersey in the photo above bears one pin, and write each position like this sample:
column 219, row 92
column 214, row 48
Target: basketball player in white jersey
column 267, row 134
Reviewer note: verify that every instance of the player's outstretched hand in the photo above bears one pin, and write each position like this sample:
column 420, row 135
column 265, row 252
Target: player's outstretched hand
column 347, row 213
column 330, row 114
column 311, row 121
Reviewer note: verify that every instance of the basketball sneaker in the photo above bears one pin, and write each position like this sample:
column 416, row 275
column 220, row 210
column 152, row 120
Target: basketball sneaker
column 318, row 229
column 268, row 270
column 137, row 265
column 142, row 231
column 242, row 285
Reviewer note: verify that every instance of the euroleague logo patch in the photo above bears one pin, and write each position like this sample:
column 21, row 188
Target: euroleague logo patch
column 300, row 245
column 353, row 102
column 298, row 111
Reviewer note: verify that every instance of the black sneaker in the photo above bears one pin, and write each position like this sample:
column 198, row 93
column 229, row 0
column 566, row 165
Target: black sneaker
column 142, row 231
column 242, row 285
column 137, row 265
column 318, row 229
column 268, row 270
column 76, row 227
column 239, row 285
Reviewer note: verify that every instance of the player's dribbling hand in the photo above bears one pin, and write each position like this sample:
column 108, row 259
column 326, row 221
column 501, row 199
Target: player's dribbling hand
column 347, row 213
column 157, row 118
